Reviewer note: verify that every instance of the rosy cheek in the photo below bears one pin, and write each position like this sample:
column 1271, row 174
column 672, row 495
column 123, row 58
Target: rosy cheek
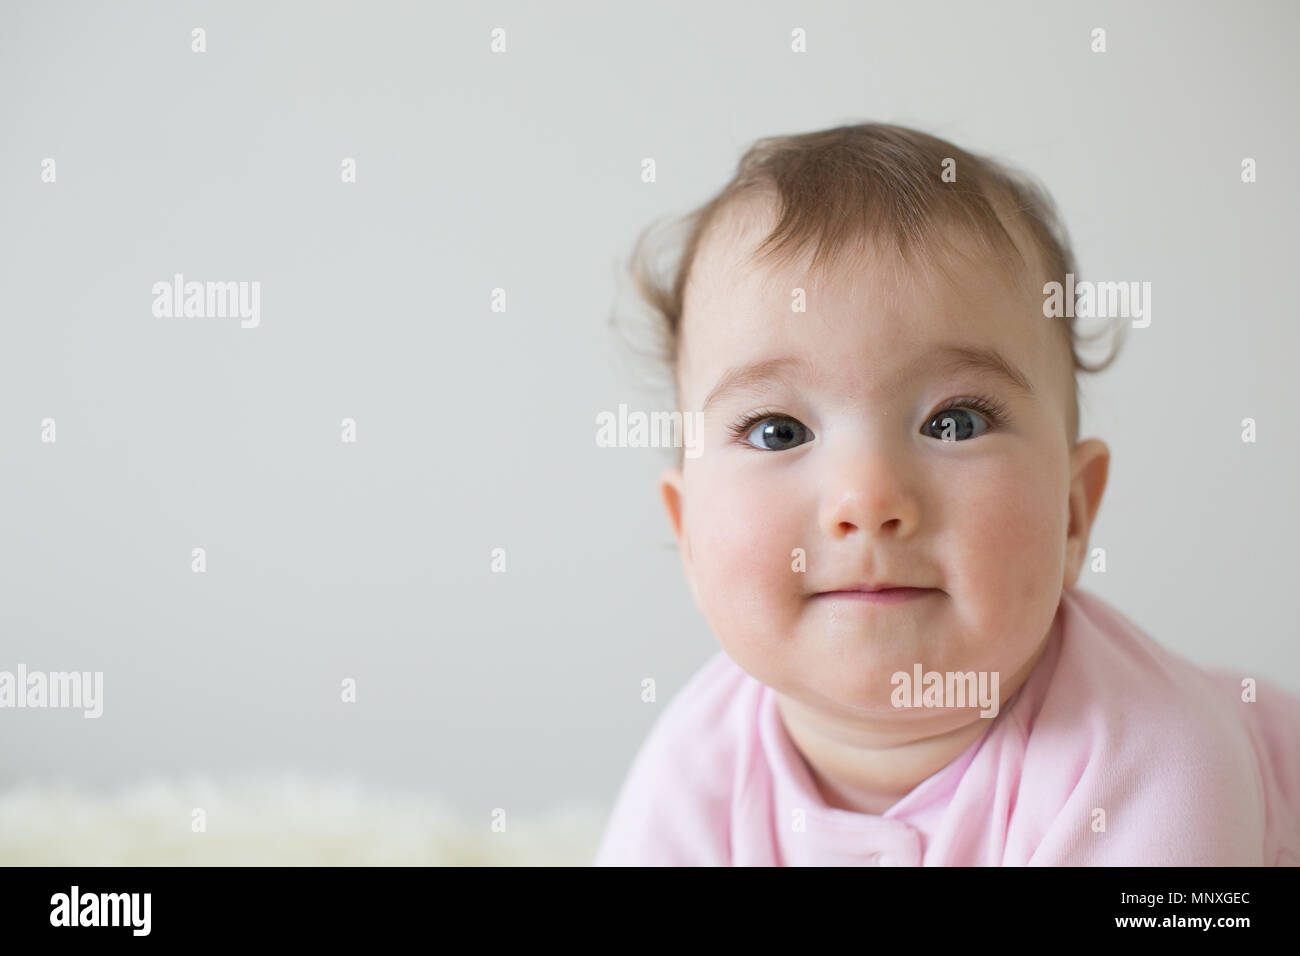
column 733, row 536
column 741, row 538
column 1011, row 540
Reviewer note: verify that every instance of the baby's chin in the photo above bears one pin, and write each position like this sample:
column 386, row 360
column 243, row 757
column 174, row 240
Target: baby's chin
column 868, row 692
column 875, row 702
column 856, row 674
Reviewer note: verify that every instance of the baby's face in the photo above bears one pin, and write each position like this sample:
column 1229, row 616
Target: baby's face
column 840, row 455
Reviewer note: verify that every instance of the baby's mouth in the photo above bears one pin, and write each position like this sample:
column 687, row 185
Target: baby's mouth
column 888, row 594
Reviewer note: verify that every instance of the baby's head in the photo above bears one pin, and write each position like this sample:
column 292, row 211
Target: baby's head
column 859, row 318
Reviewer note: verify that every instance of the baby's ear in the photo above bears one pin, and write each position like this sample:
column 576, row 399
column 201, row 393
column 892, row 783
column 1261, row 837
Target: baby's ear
column 672, row 491
column 1090, row 466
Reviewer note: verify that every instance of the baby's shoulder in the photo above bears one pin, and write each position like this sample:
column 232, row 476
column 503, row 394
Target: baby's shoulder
column 704, row 722
column 1270, row 716
column 1185, row 748
column 675, row 803
column 1141, row 692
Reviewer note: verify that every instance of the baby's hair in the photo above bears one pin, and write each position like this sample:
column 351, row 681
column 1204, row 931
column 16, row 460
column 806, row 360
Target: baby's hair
column 839, row 188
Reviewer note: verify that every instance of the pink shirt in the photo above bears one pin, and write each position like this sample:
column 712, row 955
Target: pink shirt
column 1185, row 770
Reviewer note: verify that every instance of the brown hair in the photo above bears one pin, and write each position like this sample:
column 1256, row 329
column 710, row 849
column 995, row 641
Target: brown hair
column 839, row 186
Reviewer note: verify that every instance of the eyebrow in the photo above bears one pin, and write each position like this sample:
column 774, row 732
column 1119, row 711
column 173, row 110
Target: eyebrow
column 949, row 359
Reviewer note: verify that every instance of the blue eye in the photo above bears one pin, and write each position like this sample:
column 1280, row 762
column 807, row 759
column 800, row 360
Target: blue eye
column 773, row 432
column 956, row 424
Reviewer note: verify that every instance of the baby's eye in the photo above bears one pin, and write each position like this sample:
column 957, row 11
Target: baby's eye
column 777, row 433
column 955, row 424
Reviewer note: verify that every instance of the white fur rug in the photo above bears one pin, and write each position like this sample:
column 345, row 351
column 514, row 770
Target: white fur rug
column 289, row 821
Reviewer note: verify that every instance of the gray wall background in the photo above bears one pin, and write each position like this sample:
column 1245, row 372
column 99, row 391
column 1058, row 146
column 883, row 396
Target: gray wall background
column 475, row 429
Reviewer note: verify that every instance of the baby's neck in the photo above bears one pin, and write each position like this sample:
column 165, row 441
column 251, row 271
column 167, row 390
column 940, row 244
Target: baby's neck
column 868, row 777
column 869, row 769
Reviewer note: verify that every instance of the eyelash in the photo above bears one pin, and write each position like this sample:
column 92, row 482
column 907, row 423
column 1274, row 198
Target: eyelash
column 741, row 429
column 992, row 410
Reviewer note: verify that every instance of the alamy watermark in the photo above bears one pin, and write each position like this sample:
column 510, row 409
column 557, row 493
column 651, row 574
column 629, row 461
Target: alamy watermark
column 70, row 690
column 656, row 429
column 1098, row 300
column 75, row 908
column 947, row 689
column 179, row 299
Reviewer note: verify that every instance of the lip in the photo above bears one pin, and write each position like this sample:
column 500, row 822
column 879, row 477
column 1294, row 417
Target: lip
column 883, row 595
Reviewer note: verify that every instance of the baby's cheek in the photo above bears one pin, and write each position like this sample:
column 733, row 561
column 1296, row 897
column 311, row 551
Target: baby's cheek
column 1011, row 547
column 738, row 525
column 742, row 543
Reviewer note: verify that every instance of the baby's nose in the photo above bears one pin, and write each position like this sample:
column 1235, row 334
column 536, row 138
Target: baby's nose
column 872, row 493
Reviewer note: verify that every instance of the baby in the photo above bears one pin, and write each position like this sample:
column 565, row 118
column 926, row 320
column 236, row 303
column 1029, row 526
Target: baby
column 884, row 527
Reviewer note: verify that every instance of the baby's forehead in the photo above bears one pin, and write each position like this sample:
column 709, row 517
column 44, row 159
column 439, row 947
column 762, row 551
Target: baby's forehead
column 865, row 304
column 729, row 283
column 737, row 258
